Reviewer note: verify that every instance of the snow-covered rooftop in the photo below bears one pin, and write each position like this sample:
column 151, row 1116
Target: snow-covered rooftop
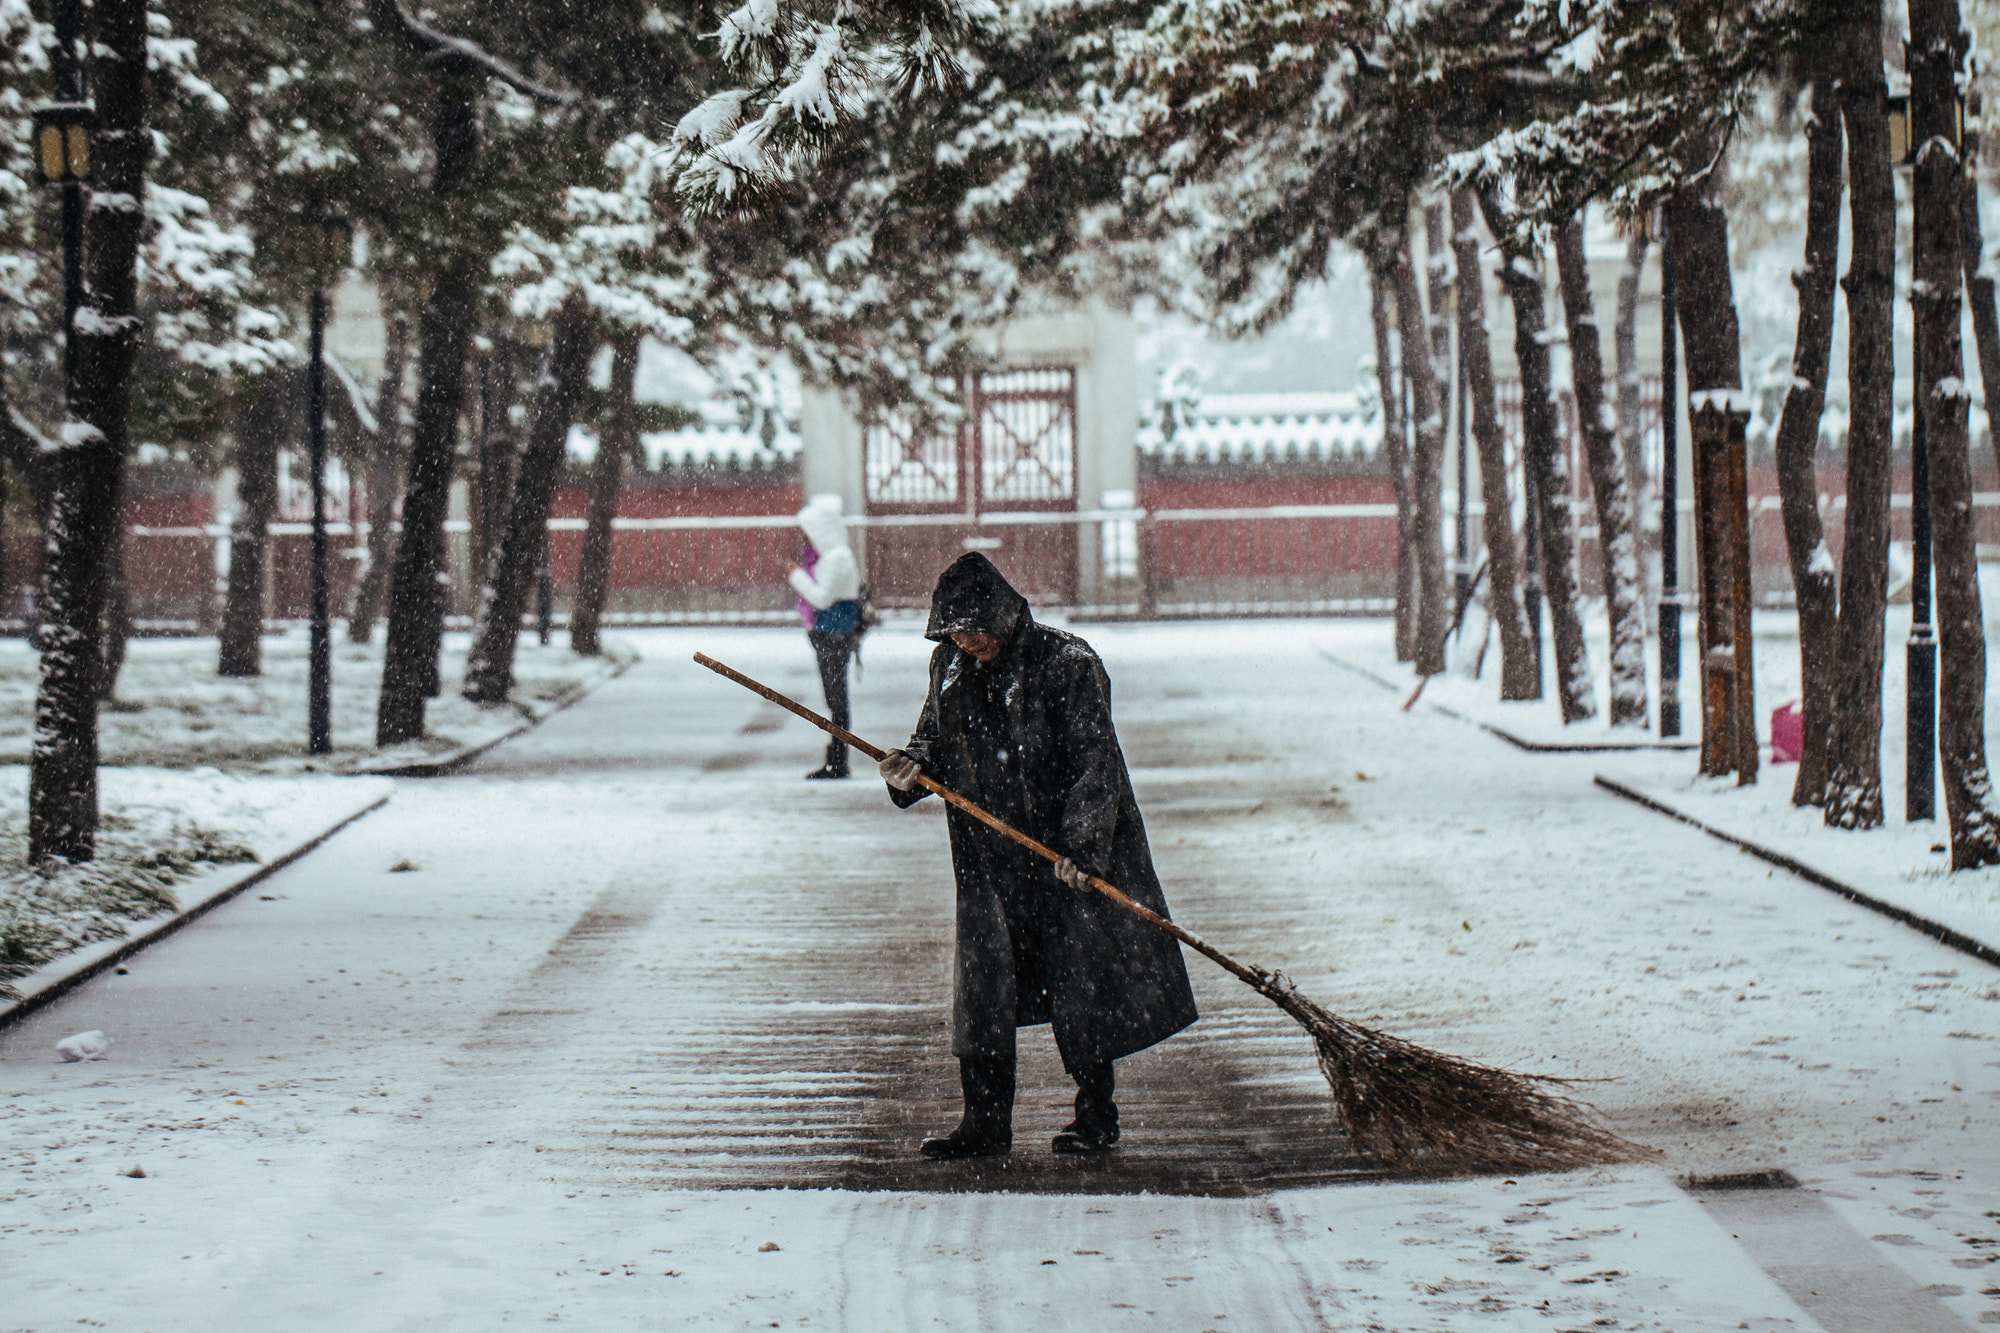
column 1266, row 427
column 696, row 446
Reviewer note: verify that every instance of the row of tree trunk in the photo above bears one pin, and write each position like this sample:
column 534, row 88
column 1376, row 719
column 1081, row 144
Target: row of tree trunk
column 512, row 513
column 1416, row 403
column 1841, row 611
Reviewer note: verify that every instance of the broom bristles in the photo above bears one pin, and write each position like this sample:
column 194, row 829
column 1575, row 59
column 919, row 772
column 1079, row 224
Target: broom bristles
column 1424, row 1112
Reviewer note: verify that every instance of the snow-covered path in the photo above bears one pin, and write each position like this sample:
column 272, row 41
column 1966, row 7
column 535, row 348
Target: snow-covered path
column 638, row 960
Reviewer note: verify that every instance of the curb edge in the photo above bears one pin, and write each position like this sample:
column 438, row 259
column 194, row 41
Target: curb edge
column 1518, row 742
column 459, row 758
column 161, row 927
column 1937, row 930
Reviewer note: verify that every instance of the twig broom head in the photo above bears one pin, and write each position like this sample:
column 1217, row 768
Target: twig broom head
column 1432, row 1114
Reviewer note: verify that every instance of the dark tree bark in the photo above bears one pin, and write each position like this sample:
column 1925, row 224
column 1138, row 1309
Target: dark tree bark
column 1543, row 458
column 27, row 449
column 1426, row 463
column 1853, row 793
column 617, row 437
column 385, row 471
column 1519, row 672
column 117, row 600
column 1979, row 286
column 409, row 662
column 1813, row 577
column 1712, row 348
column 416, row 601
column 1617, row 541
column 1625, row 353
column 84, row 476
column 1395, row 444
column 1938, row 46
column 496, row 482
column 489, row 669
column 1434, row 606
column 260, row 434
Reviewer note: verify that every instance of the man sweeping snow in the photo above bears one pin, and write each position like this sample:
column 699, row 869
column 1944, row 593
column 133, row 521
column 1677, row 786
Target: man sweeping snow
column 1018, row 718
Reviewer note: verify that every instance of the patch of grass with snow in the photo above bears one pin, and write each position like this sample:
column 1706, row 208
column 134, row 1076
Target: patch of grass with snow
column 47, row 911
column 173, row 711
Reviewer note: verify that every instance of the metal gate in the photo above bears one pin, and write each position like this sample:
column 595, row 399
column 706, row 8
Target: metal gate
column 987, row 486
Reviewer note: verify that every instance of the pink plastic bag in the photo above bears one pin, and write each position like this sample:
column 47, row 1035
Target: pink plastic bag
column 1788, row 734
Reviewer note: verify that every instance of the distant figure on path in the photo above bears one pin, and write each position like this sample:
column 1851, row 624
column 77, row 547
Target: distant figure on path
column 828, row 583
column 1018, row 720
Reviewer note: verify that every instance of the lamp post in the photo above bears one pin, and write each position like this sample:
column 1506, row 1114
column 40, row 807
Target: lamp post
column 62, row 154
column 325, row 244
column 1920, row 653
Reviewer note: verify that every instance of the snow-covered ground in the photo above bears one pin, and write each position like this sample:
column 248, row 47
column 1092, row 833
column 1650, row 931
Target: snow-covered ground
column 638, row 958
column 173, row 710
column 168, row 839
column 1903, row 862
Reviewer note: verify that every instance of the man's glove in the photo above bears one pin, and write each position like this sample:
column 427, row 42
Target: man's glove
column 1074, row 875
column 898, row 770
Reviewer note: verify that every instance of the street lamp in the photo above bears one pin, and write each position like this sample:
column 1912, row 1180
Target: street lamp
column 323, row 243
column 62, row 155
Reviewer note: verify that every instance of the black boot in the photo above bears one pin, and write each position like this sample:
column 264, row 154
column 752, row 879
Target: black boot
column 988, row 1127
column 1095, row 1128
column 835, row 765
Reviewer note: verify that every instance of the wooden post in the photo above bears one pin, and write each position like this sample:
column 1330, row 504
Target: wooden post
column 1722, row 559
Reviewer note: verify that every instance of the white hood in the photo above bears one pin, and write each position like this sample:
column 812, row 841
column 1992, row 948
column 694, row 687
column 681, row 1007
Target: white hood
column 823, row 525
column 836, row 576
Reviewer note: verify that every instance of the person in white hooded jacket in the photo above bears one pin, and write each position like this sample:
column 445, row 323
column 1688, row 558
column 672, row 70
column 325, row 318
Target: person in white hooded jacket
column 828, row 582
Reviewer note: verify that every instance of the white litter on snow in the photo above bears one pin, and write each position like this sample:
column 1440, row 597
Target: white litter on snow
column 91, row 1045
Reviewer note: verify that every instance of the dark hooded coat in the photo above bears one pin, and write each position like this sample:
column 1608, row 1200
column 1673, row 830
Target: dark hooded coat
column 1029, row 737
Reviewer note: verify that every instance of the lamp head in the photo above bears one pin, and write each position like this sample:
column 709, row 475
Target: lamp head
column 62, row 141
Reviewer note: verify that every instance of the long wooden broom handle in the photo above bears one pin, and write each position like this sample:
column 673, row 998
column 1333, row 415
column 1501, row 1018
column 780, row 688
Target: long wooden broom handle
column 1187, row 937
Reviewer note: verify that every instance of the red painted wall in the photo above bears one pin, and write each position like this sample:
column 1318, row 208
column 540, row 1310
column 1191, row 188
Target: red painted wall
column 669, row 559
column 1230, row 548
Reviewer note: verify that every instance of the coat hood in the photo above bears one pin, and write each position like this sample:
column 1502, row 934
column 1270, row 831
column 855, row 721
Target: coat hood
column 823, row 525
column 972, row 597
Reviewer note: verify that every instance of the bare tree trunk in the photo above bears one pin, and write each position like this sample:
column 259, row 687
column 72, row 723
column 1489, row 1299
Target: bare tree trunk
column 117, row 600
column 1853, row 794
column 260, row 433
column 617, row 436
column 1543, row 458
column 85, row 474
column 1937, row 52
column 383, row 475
column 1712, row 344
column 410, row 656
column 1813, row 576
column 489, row 670
column 1979, row 283
column 1434, row 607
column 1625, row 351
column 1381, row 291
column 409, row 659
column 1426, row 464
column 1617, row 542
column 1519, row 673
